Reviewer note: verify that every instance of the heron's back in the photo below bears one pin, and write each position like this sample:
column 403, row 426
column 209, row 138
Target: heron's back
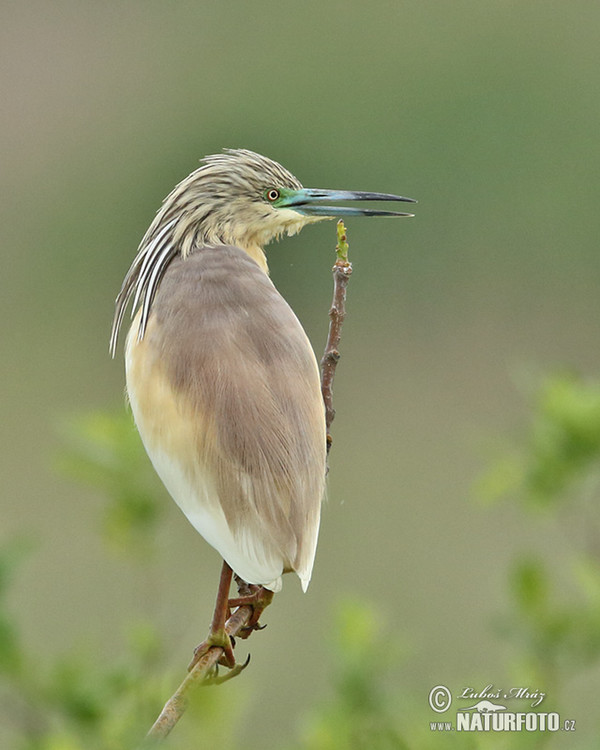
column 225, row 391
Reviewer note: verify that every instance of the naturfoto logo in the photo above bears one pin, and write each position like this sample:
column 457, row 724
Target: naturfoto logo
column 488, row 710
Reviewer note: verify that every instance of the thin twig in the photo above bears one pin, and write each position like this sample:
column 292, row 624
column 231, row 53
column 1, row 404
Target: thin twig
column 341, row 276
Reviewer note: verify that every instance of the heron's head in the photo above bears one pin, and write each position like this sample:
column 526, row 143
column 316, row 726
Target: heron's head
column 235, row 198
column 241, row 198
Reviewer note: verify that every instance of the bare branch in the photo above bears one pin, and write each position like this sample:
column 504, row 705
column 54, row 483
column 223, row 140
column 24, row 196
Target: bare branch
column 341, row 276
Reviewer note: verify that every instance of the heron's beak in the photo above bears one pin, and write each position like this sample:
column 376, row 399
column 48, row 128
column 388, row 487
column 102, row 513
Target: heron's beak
column 308, row 202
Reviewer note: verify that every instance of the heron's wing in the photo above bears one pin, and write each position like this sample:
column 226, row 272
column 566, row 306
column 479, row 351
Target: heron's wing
column 225, row 388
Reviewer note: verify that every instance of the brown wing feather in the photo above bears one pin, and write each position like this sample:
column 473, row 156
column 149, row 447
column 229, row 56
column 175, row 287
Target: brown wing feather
column 234, row 352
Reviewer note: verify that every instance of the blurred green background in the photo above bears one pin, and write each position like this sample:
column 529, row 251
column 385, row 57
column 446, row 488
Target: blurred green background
column 487, row 113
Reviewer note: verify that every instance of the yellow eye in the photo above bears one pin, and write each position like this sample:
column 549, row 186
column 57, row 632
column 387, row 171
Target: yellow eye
column 272, row 195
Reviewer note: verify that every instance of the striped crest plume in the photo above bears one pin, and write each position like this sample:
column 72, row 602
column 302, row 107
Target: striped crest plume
column 156, row 250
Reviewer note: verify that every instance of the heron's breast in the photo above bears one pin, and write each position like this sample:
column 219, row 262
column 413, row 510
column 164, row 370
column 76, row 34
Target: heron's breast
column 225, row 367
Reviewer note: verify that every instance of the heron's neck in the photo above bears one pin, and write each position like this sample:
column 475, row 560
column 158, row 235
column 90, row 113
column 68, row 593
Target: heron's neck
column 258, row 255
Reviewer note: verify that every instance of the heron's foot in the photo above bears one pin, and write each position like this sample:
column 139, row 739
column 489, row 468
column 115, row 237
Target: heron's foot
column 259, row 599
column 219, row 639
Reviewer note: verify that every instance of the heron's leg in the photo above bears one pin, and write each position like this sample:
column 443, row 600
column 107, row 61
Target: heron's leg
column 217, row 635
column 257, row 597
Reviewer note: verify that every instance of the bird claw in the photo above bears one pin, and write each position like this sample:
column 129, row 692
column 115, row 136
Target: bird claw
column 251, row 628
column 215, row 639
column 259, row 599
column 216, row 679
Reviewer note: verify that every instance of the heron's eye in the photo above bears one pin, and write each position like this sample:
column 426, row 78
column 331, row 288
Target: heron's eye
column 272, row 195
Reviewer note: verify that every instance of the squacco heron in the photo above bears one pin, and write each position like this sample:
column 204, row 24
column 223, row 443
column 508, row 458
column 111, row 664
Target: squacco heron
column 221, row 377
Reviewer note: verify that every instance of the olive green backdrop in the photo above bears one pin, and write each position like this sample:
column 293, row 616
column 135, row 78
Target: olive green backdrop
column 487, row 113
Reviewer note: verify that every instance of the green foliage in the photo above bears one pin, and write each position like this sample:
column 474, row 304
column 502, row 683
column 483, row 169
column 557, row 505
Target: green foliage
column 558, row 632
column 104, row 451
column 553, row 623
column 11, row 651
column 562, row 449
column 79, row 701
column 83, row 702
column 361, row 714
